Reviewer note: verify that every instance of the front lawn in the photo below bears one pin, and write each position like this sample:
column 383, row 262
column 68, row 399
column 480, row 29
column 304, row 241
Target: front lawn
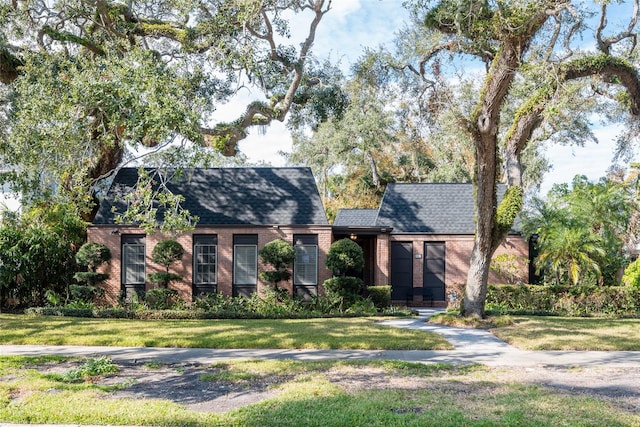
column 571, row 333
column 313, row 394
column 339, row 333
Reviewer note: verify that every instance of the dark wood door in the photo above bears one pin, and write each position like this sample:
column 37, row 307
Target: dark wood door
column 401, row 269
column 434, row 269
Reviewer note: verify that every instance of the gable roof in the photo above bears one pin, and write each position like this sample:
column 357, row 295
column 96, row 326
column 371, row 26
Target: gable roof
column 233, row 196
column 429, row 208
column 355, row 218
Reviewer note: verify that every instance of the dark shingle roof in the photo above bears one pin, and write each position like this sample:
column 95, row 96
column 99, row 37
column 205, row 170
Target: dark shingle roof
column 355, row 218
column 227, row 196
column 429, row 208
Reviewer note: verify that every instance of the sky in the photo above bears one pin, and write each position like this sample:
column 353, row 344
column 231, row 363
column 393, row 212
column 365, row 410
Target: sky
column 352, row 25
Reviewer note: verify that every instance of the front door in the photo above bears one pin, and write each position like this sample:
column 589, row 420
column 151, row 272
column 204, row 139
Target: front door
column 401, row 270
column 434, row 267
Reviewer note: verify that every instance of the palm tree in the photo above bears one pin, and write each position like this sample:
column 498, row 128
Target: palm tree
column 571, row 251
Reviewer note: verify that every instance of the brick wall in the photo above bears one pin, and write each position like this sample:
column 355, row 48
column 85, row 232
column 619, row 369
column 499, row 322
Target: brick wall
column 458, row 254
column 107, row 236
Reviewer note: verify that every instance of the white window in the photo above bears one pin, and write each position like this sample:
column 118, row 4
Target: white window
column 133, row 260
column 205, row 260
column 245, row 265
column 306, row 265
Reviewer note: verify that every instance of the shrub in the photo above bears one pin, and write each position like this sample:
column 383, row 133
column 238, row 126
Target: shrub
column 37, row 249
column 280, row 255
column 564, row 300
column 631, row 276
column 83, row 293
column 167, row 252
column 347, row 290
column 345, row 256
column 161, row 298
column 509, row 267
column 380, row 295
column 163, row 279
column 92, row 255
column 362, row 307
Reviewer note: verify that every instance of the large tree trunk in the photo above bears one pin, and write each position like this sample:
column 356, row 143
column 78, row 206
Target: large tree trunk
column 485, row 134
column 484, row 245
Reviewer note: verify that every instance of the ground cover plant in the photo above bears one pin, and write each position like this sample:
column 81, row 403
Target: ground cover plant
column 293, row 393
column 348, row 333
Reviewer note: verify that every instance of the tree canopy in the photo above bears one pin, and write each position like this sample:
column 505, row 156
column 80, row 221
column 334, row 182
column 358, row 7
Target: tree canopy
column 540, row 78
column 85, row 84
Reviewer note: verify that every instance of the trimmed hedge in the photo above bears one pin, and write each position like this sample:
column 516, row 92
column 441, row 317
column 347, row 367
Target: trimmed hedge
column 380, row 295
column 116, row 313
column 564, row 300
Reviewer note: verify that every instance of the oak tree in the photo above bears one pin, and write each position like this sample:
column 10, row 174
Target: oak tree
column 533, row 51
column 87, row 85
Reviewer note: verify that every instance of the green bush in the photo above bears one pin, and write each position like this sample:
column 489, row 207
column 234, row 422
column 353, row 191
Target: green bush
column 59, row 311
column 345, row 289
column 84, row 293
column 362, row 307
column 380, row 295
column 161, row 298
column 92, row 255
column 345, row 256
column 279, row 254
column 37, row 252
column 166, row 253
column 631, row 276
column 564, row 300
column 163, row 279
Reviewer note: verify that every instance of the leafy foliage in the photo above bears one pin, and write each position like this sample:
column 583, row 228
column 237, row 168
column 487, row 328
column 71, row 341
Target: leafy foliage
column 146, row 78
column 37, row 252
column 92, row 255
column 280, row 255
column 161, row 298
column 581, row 231
column 580, row 300
column 631, row 276
column 165, row 253
column 345, row 256
column 380, row 296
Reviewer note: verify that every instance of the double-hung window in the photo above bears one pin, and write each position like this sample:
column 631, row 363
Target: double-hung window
column 305, row 266
column 245, row 264
column 205, row 263
column 133, row 265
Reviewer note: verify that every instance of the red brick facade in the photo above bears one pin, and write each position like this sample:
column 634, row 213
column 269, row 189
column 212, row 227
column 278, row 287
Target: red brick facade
column 458, row 254
column 111, row 237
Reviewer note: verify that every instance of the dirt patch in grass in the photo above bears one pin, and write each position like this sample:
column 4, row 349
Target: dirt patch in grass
column 213, row 389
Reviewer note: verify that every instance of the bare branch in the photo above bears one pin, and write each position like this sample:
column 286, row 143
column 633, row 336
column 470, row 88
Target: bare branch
column 605, row 43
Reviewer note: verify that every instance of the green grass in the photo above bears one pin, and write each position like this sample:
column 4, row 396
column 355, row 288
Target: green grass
column 571, row 333
column 455, row 396
column 351, row 333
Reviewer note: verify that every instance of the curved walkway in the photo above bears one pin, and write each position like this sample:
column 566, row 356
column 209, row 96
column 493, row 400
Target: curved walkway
column 471, row 346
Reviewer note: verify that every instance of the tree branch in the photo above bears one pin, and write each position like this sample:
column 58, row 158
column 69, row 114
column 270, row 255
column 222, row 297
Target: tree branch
column 225, row 136
column 605, row 43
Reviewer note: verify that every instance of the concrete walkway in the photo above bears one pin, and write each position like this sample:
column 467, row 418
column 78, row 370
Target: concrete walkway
column 471, row 346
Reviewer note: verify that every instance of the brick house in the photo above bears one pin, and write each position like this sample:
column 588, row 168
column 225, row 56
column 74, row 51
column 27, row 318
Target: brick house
column 239, row 210
column 420, row 240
